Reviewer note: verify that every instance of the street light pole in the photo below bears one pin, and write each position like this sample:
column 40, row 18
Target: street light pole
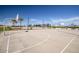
column 43, row 21
column 28, row 23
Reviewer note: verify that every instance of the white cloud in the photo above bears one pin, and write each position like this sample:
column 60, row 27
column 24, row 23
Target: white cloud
column 68, row 20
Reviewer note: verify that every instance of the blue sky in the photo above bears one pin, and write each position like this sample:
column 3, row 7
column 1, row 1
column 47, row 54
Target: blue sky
column 54, row 14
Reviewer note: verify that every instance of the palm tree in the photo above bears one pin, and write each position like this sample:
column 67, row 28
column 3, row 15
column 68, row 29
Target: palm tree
column 13, row 22
column 20, row 20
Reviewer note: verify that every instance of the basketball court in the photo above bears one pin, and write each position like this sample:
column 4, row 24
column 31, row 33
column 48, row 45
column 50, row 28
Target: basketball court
column 40, row 41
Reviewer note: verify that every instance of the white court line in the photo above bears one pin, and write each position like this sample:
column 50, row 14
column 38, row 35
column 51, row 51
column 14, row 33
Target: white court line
column 8, row 41
column 66, row 46
column 68, row 43
column 33, row 45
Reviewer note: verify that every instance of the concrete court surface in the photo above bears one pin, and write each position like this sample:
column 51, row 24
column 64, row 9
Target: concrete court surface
column 40, row 41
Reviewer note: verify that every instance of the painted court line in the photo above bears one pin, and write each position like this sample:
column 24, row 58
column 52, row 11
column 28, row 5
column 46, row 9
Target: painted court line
column 8, row 41
column 69, row 42
column 33, row 45
column 66, row 46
